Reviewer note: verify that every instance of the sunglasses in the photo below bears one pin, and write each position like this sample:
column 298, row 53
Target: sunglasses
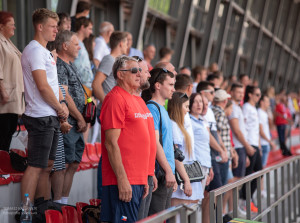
column 133, row 70
column 184, row 95
column 139, row 59
column 209, row 91
column 161, row 70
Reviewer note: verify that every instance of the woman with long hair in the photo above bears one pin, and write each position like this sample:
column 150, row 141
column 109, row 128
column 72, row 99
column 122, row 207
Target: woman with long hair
column 178, row 107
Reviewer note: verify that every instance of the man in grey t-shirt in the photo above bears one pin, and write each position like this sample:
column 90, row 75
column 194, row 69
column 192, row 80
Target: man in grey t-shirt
column 104, row 80
column 106, row 69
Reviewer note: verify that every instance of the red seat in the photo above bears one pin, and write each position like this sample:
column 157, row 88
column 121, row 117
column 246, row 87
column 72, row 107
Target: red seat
column 16, row 178
column 20, row 152
column 69, row 214
column 79, row 206
column 5, row 164
column 85, row 158
column 95, row 202
column 91, row 152
column 85, row 161
column 53, row 216
column 5, row 181
column 98, row 148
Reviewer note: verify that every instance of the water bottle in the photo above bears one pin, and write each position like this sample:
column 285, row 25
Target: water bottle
column 26, row 216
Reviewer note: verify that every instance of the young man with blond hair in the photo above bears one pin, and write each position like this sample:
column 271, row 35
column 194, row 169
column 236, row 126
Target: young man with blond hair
column 43, row 109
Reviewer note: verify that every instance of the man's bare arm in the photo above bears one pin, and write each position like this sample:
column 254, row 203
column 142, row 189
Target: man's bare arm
column 234, row 124
column 115, row 159
column 97, row 86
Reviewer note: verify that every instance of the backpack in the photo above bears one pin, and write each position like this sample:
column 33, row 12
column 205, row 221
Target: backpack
column 91, row 214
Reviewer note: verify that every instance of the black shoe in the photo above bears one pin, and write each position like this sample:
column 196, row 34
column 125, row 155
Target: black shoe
column 287, row 153
column 226, row 218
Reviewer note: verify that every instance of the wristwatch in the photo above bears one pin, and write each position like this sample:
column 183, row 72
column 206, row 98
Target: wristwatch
column 64, row 101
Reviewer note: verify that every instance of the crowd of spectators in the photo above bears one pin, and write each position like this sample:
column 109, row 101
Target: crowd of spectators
column 145, row 110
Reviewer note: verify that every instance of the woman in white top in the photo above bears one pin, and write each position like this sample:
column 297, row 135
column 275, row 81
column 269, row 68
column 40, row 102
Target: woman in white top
column 178, row 107
column 201, row 135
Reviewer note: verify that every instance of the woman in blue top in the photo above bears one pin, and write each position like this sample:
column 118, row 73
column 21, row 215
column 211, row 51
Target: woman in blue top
column 178, row 107
column 201, row 135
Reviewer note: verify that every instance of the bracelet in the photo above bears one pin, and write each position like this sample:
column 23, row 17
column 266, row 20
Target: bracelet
column 64, row 101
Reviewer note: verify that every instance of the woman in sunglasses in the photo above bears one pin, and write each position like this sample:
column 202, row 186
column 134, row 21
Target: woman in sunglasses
column 178, row 107
column 252, row 96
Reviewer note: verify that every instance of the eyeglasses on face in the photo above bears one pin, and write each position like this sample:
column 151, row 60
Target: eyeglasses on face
column 139, row 59
column 133, row 70
column 212, row 92
column 184, row 95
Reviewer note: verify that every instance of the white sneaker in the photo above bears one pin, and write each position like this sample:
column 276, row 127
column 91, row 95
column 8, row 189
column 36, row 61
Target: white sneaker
column 242, row 208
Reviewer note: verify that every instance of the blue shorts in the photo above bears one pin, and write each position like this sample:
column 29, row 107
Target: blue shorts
column 115, row 210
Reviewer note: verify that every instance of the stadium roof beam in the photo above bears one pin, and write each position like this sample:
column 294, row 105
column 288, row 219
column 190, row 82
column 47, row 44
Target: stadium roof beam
column 182, row 33
column 291, row 57
column 207, row 41
column 254, row 56
column 138, row 21
column 277, row 74
column 234, row 62
column 222, row 44
column 271, row 49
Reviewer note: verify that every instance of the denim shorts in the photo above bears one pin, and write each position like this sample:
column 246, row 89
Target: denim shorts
column 42, row 139
column 74, row 145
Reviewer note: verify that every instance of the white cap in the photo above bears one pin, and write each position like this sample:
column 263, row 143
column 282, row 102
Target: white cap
column 221, row 95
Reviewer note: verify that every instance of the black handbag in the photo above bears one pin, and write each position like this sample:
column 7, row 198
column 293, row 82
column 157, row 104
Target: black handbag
column 18, row 162
column 194, row 172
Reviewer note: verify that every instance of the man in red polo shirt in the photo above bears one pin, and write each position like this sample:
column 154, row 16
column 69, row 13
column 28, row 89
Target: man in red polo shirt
column 125, row 145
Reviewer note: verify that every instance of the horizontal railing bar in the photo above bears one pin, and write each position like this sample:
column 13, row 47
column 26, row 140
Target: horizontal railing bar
column 253, row 176
column 168, row 213
column 276, row 203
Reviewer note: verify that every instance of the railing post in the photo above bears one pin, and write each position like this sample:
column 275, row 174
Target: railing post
column 259, row 194
column 183, row 216
column 299, row 187
column 294, row 194
column 289, row 188
column 276, row 193
column 282, row 193
column 269, row 196
column 248, row 199
column 219, row 208
column 212, row 207
column 235, row 201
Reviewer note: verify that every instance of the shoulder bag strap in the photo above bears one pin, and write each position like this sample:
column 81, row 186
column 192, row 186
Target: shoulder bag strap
column 160, row 121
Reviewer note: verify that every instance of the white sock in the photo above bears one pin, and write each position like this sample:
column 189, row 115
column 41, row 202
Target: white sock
column 58, row 201
column 64, row 200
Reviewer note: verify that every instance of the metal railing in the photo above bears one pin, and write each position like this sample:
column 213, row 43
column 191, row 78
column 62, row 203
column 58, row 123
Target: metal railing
column 289, row 192
column 179, row 214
